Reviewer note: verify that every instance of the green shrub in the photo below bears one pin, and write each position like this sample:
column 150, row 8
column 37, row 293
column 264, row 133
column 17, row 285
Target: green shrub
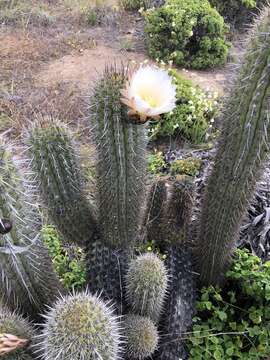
column 68, row 263
column 189, row 166
column 234, row 323
column 237, row 12
column 193, row 115
column 156, row 163
column 189, row 33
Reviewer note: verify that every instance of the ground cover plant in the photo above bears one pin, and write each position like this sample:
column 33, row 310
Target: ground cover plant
column 118, row 273
column 194, row 115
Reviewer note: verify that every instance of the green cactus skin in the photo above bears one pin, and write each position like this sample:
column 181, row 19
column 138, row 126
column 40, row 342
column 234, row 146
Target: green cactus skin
column 80, row 327
column 146, row 285
column 180, row 306
column 153, row 218
column 121, row 167
column 60, row 181
column 106, row 267
column 14, row 324
column 141, row 337
column 243, row 145
column 27, row 280
column 178, row 210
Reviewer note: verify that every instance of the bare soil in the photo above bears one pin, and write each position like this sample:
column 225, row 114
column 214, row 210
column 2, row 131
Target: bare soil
column 49, row 68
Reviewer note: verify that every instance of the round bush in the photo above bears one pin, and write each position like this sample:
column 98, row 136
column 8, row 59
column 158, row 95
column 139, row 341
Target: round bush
column 189, row 33
column 192, row 116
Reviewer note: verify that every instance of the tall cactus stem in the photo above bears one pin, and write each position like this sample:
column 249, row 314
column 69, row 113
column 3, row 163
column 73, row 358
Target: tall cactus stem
column 56, row 167
column 27, row 279
column 243, row 146
column 121, row 164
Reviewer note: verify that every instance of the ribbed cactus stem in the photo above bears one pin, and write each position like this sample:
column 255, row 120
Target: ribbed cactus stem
column 106, row 268
column 178, row 210
column 180, row 306
column 27, row 280
column 141, row 337
column 80, row 326
column 243, row 145
column 56, row 167
column 146, row 285
column 154, row 214
column 16, row 335
column 121, row 161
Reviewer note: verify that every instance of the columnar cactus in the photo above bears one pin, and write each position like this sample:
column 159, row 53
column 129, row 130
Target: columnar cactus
column 121, row 163
column 141, row 337
column 146, row 285
column 153, row 219
column 57, row 170
column 120, row 171
column 27, row 280
column 15, row 336
column 81, row 326
column 180, row 306
column 242, row 147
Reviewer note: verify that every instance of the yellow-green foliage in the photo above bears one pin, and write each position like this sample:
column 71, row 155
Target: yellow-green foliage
column 67, row 262
column 189, row 166
column 156, row 163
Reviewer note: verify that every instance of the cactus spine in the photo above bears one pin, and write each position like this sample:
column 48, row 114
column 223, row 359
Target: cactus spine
column 146, row 285
column 242, row 147
column 26, row 276
column 141, row 337
column 121, row 161
column 60, row 181
column 80, row 327
column 14, row 331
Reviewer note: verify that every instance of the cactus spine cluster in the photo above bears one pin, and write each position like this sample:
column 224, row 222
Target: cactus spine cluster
column 26, row 277
column 56, row 167
column 146, row 285
column 242, row 147
column 141, row 337
column 81, row 326
column 13, row 331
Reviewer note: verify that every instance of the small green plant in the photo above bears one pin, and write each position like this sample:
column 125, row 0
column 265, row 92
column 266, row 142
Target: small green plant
column 68, row 263
column 237, row 12
column 135, row 4
column 234, row 323
column 192, row 117
column 156, row 163
column 188, row 33
column 189, row 166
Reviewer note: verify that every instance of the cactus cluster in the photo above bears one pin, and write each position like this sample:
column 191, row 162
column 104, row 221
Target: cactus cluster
column 80, row 326
column 137, row 305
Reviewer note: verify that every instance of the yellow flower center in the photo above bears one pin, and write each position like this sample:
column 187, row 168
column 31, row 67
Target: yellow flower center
column 145, row 96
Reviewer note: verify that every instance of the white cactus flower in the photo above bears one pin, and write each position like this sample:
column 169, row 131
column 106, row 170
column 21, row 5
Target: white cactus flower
column 149, row 93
